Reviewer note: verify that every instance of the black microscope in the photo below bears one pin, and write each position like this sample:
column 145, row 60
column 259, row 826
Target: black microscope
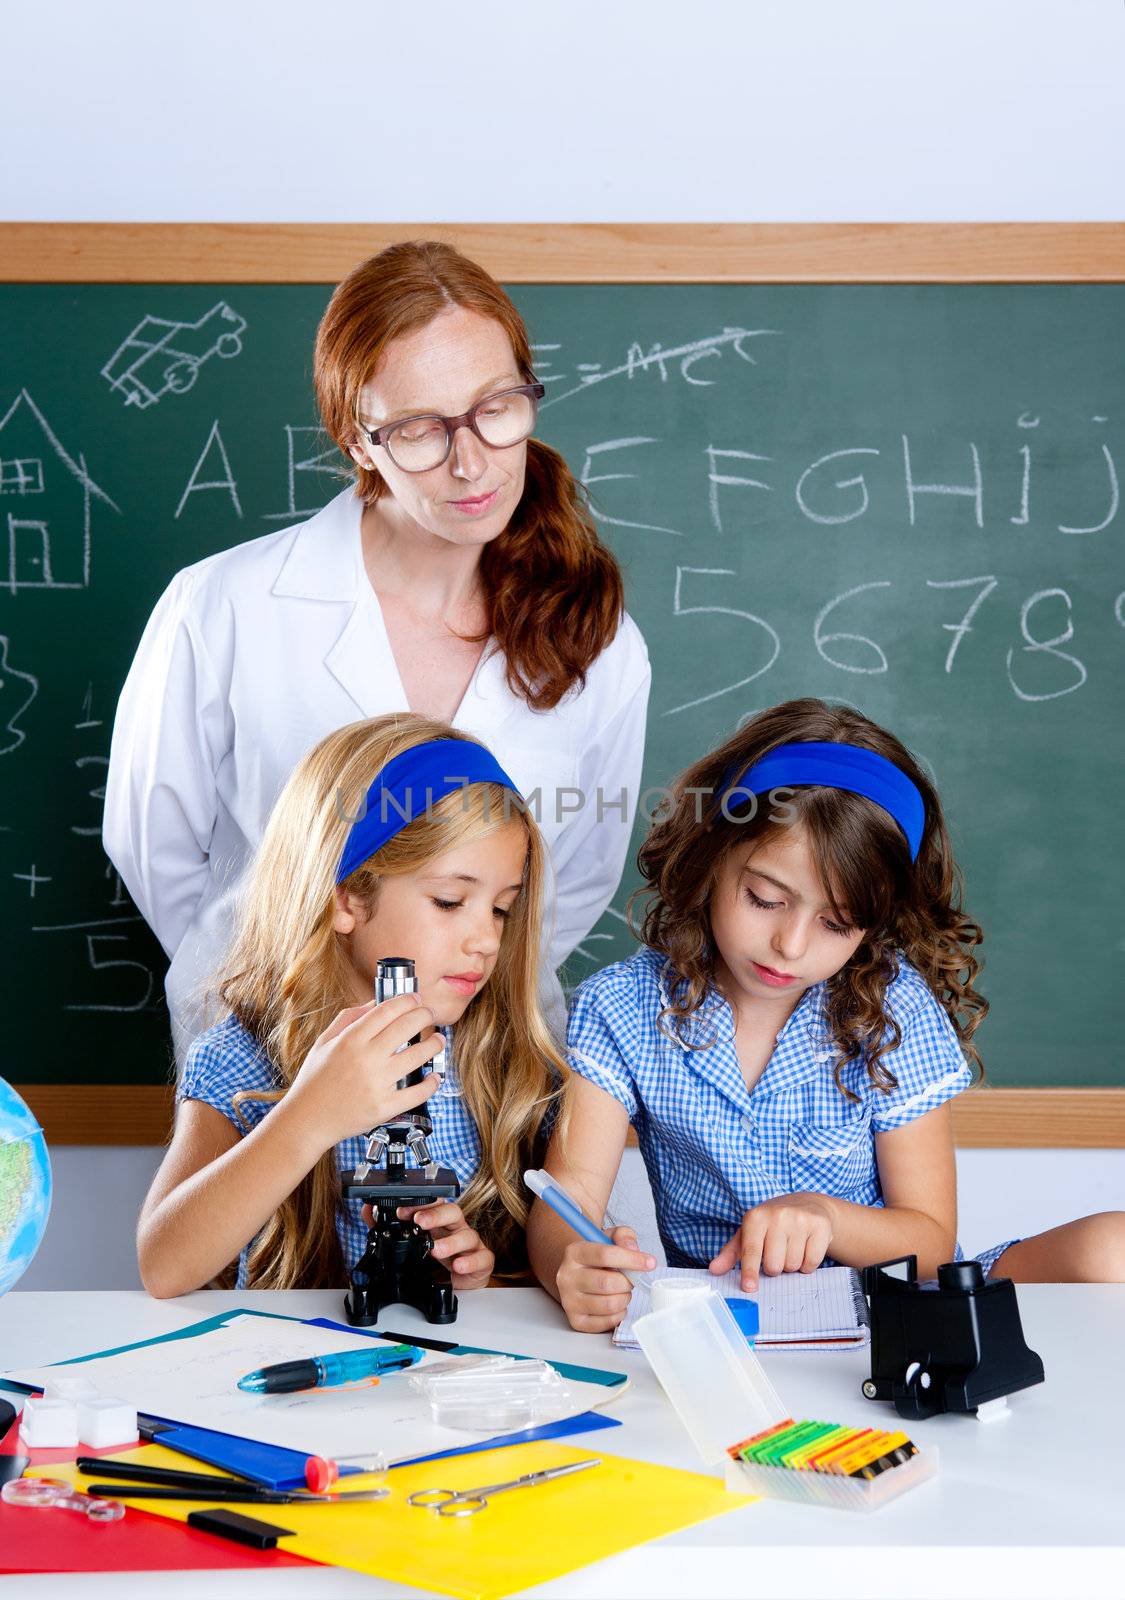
column 397, row 1265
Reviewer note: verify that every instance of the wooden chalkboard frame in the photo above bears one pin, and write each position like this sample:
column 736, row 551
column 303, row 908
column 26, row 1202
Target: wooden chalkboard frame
column 944, row 252
column 1089, row 252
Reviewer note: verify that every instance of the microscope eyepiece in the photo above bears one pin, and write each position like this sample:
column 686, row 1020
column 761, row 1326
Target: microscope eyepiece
column 395, row 975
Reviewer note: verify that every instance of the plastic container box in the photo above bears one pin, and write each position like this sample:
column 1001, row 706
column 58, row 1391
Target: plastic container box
column 492, row 1393
column 104, row 1422
column 49, row 1422
column 722, row 1395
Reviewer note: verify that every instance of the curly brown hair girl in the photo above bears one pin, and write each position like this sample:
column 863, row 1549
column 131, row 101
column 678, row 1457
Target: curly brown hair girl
column 907, row 909
column 789, row 1038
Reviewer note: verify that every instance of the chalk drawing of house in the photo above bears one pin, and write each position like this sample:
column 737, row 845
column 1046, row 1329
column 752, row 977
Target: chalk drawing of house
column 161, row 357
column 45, row 500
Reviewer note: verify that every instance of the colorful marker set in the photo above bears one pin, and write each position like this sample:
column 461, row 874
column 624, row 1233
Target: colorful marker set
column 721, row 1391
column 826, row 1447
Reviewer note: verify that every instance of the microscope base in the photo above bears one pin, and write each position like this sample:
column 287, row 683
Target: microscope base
column 397, row 1267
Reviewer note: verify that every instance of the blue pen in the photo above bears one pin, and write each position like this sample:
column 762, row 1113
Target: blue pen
column 324, row 1372
column 554, row 1195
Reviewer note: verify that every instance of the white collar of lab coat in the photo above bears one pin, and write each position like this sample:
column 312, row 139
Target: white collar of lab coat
column 325, row 562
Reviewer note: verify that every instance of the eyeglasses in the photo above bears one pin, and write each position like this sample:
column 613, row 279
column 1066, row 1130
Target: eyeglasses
column 418, row 444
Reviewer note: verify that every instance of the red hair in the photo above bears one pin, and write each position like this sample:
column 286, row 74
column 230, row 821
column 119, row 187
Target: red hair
column 553, row 591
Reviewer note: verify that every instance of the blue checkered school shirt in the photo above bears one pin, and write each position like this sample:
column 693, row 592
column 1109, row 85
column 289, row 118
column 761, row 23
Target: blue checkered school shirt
column 714, row 1148
column 227, row 1058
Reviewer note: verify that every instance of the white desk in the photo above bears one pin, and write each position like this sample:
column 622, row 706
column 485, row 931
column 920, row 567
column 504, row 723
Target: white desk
column 1028, row 1506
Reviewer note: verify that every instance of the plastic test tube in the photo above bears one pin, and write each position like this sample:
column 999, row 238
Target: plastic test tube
column 321, row 1472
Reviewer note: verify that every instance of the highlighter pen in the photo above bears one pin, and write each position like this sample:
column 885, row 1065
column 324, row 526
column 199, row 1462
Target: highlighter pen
column 323, row 1372
column 554, row 1195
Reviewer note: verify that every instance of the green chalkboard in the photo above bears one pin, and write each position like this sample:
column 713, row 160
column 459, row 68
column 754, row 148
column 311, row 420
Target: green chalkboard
column 905, row 497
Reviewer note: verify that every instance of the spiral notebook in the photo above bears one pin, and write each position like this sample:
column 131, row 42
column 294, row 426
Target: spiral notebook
column 822, row 1310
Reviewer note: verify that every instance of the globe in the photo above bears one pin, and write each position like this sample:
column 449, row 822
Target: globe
column 25, row 1187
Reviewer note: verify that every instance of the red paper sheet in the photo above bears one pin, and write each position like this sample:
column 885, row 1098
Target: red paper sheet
column 39, row 1539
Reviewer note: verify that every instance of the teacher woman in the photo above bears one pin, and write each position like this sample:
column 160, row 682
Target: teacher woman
column 460, row 576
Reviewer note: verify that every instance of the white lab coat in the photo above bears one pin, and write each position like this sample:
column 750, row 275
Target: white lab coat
column 253, row 655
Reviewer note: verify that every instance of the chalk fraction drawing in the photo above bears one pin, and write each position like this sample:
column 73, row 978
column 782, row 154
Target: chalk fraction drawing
column 161, row 357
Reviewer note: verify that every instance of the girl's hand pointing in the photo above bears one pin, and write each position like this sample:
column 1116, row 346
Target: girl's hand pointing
column 790, row 1233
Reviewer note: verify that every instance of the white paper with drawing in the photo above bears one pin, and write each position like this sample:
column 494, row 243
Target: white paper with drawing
column 822, row 1310
column 195, row 1381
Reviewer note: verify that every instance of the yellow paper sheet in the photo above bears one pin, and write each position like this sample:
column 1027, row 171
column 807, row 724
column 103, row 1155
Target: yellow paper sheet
column 520, row 1539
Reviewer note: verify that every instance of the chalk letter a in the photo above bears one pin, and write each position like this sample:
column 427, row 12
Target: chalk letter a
column 195, row 486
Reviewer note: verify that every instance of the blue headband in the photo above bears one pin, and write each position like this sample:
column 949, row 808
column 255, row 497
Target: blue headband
column 408, row 786
column 839, row 766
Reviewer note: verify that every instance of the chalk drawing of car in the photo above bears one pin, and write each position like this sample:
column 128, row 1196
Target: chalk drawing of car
column 170, row 354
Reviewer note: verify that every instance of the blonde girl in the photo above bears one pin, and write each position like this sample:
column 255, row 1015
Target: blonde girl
column 394, row 836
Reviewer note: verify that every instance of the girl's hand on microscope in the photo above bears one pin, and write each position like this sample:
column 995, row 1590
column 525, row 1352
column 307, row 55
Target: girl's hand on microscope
column 455, row 1244
column 346, row 1083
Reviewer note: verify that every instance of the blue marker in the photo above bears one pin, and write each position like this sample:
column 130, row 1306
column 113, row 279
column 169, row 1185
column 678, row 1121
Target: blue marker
column 554, row 1195
column 326, row 1372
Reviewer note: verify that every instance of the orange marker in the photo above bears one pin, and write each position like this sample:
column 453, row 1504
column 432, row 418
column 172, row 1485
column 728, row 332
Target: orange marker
column 826, row 1460
column 882, row 1444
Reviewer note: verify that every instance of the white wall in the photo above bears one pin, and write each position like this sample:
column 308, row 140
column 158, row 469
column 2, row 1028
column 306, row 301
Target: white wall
column 1003, row 1194
column 638, row 110
column 90, row 1241
column 644, row 110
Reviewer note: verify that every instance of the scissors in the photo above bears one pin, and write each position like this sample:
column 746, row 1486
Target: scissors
column 58, row 1495
column 467, row 1502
